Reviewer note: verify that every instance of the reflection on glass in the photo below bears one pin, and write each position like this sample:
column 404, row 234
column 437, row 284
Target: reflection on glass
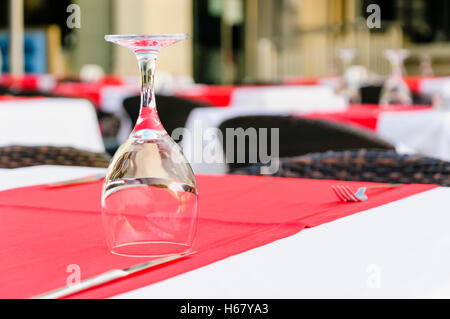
column 150, row 198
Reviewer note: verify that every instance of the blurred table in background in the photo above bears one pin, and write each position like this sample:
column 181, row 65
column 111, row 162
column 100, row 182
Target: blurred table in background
column 412, row 129
column 50, row 121
column 420, row 129
column 308, row 97
column 362, row 115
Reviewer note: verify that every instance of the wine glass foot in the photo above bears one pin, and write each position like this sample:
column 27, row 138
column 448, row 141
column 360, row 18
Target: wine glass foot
column 150, row 249
column 148, row 134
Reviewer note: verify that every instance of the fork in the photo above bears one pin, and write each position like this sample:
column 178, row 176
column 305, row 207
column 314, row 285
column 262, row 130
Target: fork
column 345, row 194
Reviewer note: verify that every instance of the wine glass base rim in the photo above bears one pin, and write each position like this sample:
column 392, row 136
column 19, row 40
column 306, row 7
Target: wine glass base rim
column 150, row 249
column 174, row 36
column 148, row 134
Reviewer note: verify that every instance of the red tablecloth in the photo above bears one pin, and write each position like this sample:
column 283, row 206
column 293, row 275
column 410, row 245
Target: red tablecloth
column 28, row 81
column 220, row 95
column 19, row 98
column 44, row 230
column 214, row 95
column 33, row 82
column 364, row 115
column 90, row 91
column 413, row 82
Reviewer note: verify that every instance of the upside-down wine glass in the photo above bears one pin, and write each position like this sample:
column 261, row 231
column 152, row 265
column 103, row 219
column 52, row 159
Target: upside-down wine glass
column 395, row 90
column 350, row 80
column 150, row 196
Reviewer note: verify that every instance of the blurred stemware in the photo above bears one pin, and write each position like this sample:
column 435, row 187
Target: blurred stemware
column 150, row 197
column 426, row 65
column 395, row 89
column 352, row 76
column 441, row 100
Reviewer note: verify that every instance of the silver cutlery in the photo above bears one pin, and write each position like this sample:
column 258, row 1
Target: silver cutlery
column 75, row 181
column 107, row 277
column 345, row 194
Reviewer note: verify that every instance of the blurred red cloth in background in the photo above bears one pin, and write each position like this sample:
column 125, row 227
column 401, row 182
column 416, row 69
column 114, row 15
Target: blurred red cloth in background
column 361, row 115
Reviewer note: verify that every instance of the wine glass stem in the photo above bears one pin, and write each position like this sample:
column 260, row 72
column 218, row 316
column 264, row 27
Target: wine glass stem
column 148, row 115
column 147, row 68
column 397, row 70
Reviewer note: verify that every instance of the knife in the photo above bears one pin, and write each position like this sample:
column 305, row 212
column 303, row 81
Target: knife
column 107, row 277
column 76, row 181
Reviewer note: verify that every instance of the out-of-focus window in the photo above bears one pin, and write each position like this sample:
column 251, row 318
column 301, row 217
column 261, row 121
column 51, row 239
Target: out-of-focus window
column 218, row 41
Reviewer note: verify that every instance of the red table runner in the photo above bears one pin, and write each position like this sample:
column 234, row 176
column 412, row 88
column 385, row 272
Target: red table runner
column 90, row 91
column 363, row 116
column 214, row 95
column 46, row 231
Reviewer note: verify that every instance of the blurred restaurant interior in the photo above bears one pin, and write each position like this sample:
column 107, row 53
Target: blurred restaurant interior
column 232, row 44
column 354, row 91
column 232, row 41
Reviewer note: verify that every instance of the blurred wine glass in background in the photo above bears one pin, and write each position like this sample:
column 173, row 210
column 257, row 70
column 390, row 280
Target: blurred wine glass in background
column 395, row 89
column 353, row 76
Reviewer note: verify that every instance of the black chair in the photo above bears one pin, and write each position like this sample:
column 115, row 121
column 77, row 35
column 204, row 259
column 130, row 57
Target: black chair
column 173, row 111
column 385, row 166
column 370, row 94
column 4, row 90
column 32, row 93
column 20, row 156
column 298, row 136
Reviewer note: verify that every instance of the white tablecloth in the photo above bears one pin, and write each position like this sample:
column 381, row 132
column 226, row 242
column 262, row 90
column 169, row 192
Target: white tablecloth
column 423, row 131
column 293, row 98
column 432, row 86
column 398, row 250
column 50, row 121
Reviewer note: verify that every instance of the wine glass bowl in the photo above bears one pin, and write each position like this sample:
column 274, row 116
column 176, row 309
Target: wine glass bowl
column 150, row 196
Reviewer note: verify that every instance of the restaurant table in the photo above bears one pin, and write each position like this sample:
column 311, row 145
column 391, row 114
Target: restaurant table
column 87, row 90
column 411, row 128
column 395, row 249
column 222, row 95
column 50, row 121
column 201, row 132
column 214, row 95
column 28, row 82
column 366, row 116
column 293, row 97
column 427, row 85
column 302, row 95
column 202, row 123
column 415, row 129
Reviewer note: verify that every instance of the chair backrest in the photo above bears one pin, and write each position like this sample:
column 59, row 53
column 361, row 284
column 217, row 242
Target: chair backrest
column 373, row 165
column 298, row 136
column 50, row 121
column 173, row 111
column 16, row 156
